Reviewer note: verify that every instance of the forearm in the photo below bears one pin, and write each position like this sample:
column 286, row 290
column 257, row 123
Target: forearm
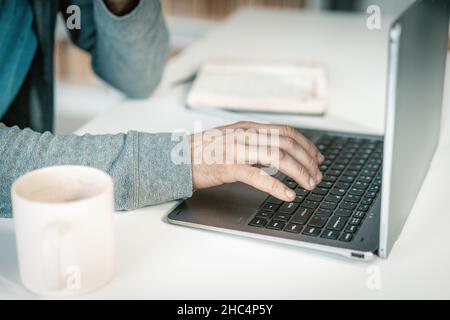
column 140, row 163
column 131, row 51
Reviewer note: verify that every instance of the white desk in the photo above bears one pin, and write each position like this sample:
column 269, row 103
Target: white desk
column 159, row 260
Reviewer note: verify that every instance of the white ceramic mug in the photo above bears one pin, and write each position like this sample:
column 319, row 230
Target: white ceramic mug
column 64, row 229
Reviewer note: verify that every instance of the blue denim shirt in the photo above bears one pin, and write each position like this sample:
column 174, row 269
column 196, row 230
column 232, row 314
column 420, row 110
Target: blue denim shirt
column 18, row 45
column 129, row 53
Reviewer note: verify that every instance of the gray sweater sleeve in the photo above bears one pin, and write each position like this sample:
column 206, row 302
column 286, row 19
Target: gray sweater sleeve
column 140, row 163
column 128, row 52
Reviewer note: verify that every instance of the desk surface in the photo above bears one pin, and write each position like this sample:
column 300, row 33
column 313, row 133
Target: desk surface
column 159, row 260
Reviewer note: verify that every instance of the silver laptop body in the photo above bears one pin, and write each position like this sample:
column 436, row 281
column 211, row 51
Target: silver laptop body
column 417, row 61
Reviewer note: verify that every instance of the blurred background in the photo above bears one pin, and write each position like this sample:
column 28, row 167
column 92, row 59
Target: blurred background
column 80, row 96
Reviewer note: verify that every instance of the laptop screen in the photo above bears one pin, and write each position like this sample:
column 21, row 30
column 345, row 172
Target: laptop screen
column 417, row 62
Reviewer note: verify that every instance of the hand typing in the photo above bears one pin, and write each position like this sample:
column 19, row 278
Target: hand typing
column 228, row 154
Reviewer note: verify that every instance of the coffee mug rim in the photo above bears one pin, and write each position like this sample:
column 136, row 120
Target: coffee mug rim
column 103, row 192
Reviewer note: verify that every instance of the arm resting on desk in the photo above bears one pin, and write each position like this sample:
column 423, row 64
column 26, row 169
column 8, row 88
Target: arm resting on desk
column 140, row 163
column 129, row 52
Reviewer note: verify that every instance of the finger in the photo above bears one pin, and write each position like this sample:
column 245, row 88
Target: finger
column 258, row 179
column 285, row 143
column 300, row 155
column 284, row 131
column 278, row 159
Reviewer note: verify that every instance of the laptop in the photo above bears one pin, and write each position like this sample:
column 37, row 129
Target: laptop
column 370, row 182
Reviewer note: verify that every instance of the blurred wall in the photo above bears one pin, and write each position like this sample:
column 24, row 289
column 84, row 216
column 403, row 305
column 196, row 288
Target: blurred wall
column 219, row 9
column 387, row 6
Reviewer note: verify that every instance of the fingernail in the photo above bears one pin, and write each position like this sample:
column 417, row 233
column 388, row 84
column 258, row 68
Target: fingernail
column 320, row 158
column 312, row 182
column 319, row 177
column 290, row 193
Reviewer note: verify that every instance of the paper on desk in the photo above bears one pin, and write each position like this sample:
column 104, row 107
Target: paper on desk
column 260, row 87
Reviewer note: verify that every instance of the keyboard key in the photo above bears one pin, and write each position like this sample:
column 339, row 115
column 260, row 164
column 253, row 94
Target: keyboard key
column 337, row 223
column 324, row 212
column 354, row 145
column 258, row 222
column 350, row 173
column 280, row 176
column 359, row 214
column 370, row 166
column 359, row 162
column 330, row 234
column 338, row 167
column 365, row 179
column 346, row 179
column 361, row 185
column 325, row 185
column 276, row 225
column 367, row 201
column 311, row 231
column 301, row 192
column 315, row 197
column 281, row 217
column 318, row 221
column 347, row 205
column 274, row 200
column 343, row 161
column 346, row 237
column 361, row 156
column 264, row 214
column 299, row 199
column 321, row 147
column 291, row 184
column 355, row 222
column 310, row 204
column 369, row 173
column 288, row 207
column 342, row 185
column 270, row 207
column 293, row 228
column 329, row 178
column 333, row 198
column 363, row 207
column 356, row 192
column 320, row 191
column 343, row 213
column 328, row 206
column 302, row 216
column 351, row 229
column 335, row 173
column 346, row 155
column 338, row 192
column 371, row 195
column 352, row 198
column 354, row 167
column 333, row 150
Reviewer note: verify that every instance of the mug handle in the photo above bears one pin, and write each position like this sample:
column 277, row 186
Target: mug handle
column 56, row 249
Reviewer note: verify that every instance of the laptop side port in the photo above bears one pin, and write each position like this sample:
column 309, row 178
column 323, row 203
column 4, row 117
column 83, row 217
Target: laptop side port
column 357, row 255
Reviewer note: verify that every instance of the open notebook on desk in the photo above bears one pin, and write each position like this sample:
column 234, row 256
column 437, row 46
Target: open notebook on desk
column 273, row 87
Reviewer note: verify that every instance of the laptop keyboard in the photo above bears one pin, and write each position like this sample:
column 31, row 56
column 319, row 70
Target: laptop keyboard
column 336, row 209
